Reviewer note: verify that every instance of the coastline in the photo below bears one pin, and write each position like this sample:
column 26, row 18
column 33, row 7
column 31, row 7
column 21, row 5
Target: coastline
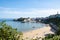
column 35, row 27
column 41, row 32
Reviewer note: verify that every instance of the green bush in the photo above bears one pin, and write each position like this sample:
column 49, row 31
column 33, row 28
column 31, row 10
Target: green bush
column 9, row 33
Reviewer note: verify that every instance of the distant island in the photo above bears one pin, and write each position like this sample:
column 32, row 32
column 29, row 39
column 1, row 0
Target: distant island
column 28, row 19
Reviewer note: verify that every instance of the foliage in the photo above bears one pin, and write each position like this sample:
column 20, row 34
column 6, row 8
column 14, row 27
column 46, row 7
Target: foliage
column 8, row 33
column 49, row 36
column 56, row 37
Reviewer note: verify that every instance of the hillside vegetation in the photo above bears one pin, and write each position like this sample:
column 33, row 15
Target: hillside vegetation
column 9, row 33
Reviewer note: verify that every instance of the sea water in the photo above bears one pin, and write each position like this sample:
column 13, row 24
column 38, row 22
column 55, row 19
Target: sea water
column 27, row 26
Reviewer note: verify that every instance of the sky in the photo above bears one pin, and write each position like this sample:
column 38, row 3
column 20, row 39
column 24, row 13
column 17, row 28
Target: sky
column 28, row 8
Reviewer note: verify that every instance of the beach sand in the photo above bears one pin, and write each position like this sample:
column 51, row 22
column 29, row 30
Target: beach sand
column 41, row 32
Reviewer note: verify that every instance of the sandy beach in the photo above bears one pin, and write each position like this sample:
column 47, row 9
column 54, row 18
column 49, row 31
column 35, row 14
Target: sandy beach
column 41, row 32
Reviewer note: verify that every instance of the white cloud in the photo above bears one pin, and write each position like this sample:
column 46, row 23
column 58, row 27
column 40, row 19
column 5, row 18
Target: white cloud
column 32, row 12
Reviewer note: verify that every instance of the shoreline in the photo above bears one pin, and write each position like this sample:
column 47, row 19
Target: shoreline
column 40, row 32
column 36, row 28
column 31, row 30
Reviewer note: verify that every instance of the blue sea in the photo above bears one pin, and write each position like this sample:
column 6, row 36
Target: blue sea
column 24, row 26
